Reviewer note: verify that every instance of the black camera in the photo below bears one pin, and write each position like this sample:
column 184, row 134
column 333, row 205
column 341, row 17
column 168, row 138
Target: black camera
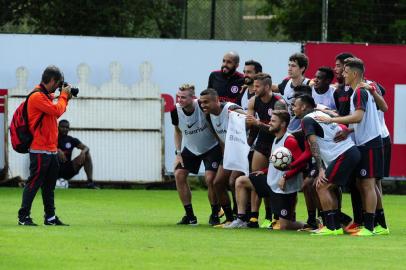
column 73, row 90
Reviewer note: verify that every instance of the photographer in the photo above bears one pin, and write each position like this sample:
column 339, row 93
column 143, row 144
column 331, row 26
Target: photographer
column 44, row 166
column 68, row 167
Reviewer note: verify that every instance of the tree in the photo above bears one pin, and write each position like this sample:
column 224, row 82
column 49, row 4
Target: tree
column 348, row 21
column 122, row 18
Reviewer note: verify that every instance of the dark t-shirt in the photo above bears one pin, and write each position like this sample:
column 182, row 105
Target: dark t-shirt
column 264, row 112
column 342, row 98
column 66, row 144
column 311, row 127
column 227, row 87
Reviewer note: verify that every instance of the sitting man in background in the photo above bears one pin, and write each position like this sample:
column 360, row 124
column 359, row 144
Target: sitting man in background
column 68, row 167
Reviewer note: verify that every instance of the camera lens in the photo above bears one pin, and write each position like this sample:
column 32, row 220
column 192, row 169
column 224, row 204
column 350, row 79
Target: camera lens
column 74, row 91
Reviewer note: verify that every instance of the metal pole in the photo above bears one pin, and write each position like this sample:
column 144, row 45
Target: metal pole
column 213, row 19
column 324, row 20
column 186, row 11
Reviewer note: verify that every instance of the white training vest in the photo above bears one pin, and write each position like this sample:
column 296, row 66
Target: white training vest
column 244, row 100
column 326, row 99
column 220, row 122
column 288, row 93
column 196, row 134
column 329, row 149
column 369, row 127
column 293, row 184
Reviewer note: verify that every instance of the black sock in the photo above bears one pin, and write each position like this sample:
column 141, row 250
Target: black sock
column 330, row 219
column 248, row 209
column 323, row 217
column 369, row 221
column 189, row 210
column 268, row 212
column 243, row 217
column 311, row 216
column 254, row 215
column 337, row 219
column 228, row 212
column 380, row 218
column 235, row 208
column 215, row 209
column 344, row 218
column 356, row 203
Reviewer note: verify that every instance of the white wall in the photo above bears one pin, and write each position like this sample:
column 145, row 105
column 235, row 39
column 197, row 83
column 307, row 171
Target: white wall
column 171, row 63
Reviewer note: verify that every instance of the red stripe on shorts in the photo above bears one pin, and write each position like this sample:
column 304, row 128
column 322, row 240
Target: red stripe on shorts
column 335, row 168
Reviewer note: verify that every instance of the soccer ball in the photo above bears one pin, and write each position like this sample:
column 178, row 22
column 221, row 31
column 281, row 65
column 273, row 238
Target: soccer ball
column 281, row 158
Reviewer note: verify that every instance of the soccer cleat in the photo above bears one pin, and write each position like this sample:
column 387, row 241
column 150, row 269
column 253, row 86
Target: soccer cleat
column 266, row 224
column 379, row 230
column 187, row 221
column 214, row 220
column 352, row 228
column 275, row 225
column 324, row 231
column 308, row 227
column 26, row 221
column 363, row 232
column 339, row 231
column 92, row 185
column 236, row 224
column 223, row 224
column 253, row 223
column 54, row 222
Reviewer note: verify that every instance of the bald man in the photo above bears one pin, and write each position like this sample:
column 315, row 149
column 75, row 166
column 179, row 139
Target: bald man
column 228, row 81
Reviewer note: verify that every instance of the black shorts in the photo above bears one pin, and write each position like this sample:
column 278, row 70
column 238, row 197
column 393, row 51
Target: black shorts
column 260, row 184
column 263, row 147
column 371, row 164
column 339, row 171
column 66, row 170
column 284, row 205
column 387, row 150
column 211, row 159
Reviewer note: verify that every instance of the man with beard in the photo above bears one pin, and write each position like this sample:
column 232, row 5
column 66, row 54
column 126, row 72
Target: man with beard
column 228, row 81
column 199, row 144
column 280, row 186
column 217, row 115
column 251, row 68
column 261, row 106
column 334, row 161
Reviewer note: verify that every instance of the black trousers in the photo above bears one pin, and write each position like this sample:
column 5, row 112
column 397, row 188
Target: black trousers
column 44, row 170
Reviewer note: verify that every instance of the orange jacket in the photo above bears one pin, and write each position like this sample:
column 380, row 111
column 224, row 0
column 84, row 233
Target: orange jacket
column 46, row 133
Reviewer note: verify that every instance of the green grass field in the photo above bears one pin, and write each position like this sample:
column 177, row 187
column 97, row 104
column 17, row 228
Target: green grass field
column 134, row 229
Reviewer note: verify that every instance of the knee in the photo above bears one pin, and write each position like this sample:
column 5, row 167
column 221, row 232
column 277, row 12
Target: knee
column 180, row 175
column 240, row 182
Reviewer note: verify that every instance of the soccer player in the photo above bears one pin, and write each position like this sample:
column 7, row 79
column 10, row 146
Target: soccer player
column 367, row 134
column 68, row 167
column 297, row 66
column 334, row 161
column 228, row 81
column 194, row 142
column 217, row 115
column 251, row 68
column 261, row 106
column 322, row 91
column 343, row 92
column 280, row 186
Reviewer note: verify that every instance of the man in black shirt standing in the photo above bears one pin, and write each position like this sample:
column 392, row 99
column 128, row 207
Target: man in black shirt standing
column 68, row 167
column 228, row 81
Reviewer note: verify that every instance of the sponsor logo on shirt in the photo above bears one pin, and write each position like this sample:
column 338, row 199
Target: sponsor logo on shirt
column 190, row 126
column 68, row 145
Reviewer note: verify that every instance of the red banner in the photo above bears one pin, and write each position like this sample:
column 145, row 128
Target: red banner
column 384, row 64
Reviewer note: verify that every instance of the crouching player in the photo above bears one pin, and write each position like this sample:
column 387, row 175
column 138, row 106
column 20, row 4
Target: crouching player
column 280, row 186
